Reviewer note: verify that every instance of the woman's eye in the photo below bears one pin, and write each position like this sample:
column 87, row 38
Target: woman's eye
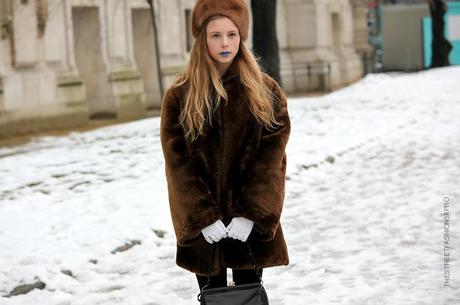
column 233, row 34
column 215, row 36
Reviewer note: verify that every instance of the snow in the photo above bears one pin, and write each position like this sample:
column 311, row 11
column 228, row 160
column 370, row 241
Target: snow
column 368, row 169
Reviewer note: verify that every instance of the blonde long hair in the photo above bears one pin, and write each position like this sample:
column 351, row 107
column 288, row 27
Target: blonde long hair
column 203, row 83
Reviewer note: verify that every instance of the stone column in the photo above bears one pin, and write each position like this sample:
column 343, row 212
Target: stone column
column 125, row 80
column 360, row 36
column 302, row 42
column 343, row 28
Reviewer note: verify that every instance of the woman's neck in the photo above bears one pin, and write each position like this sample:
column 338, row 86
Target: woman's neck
column 222, row 68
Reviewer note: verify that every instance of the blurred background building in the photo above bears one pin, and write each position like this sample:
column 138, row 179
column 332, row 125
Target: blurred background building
column 401, row 33
column 65, row 62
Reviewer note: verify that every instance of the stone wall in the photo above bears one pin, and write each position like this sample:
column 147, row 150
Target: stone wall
column 316, row 39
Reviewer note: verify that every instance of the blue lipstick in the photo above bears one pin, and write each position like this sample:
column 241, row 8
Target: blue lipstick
column 225, row 54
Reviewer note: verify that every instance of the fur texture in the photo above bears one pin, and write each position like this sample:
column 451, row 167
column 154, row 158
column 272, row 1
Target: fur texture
column 236, row 10
column 237, row 168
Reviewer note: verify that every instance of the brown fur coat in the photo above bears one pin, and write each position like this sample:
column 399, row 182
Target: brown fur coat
column 236, row 169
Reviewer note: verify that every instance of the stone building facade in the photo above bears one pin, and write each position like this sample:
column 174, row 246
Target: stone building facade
column 322, row 42
column 64, row 62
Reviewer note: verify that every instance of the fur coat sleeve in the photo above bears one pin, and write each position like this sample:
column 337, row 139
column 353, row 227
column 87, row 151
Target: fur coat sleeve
column 262, row 194
column 187, row 191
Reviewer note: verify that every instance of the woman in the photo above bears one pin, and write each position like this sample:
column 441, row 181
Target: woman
column 224, row 129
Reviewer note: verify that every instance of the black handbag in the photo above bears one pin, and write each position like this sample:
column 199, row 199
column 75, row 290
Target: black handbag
column 245, row 294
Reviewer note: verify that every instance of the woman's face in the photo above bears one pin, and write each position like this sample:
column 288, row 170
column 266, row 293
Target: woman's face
column 223, row 41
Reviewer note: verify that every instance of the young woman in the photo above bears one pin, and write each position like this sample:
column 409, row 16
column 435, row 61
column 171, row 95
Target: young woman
column 224, row 130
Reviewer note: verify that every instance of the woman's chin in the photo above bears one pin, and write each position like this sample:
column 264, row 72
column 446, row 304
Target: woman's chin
column 225, row 60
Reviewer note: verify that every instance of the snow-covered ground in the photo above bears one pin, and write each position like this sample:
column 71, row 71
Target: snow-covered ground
column 369, row 168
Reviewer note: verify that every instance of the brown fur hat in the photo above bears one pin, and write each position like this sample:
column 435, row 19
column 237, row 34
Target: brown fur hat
column 236, row 10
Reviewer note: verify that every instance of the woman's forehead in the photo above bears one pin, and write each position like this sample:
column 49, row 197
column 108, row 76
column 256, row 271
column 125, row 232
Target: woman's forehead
column 221, row 24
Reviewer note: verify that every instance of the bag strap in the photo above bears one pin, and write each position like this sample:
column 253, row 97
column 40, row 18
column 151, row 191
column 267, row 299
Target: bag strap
column 256, row 269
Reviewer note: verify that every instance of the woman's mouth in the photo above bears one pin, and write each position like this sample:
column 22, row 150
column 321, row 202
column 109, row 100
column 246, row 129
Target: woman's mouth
column 225, row 54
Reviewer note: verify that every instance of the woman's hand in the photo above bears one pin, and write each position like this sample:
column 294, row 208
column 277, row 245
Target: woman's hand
column 240, row 228
column 215, row 232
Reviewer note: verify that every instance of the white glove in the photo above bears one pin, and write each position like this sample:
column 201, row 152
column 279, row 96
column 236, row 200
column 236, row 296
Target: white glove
column 240, row 228
column 215, row 232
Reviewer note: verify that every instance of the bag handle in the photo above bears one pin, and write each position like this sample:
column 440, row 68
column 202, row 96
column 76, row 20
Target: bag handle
column 253, row 259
